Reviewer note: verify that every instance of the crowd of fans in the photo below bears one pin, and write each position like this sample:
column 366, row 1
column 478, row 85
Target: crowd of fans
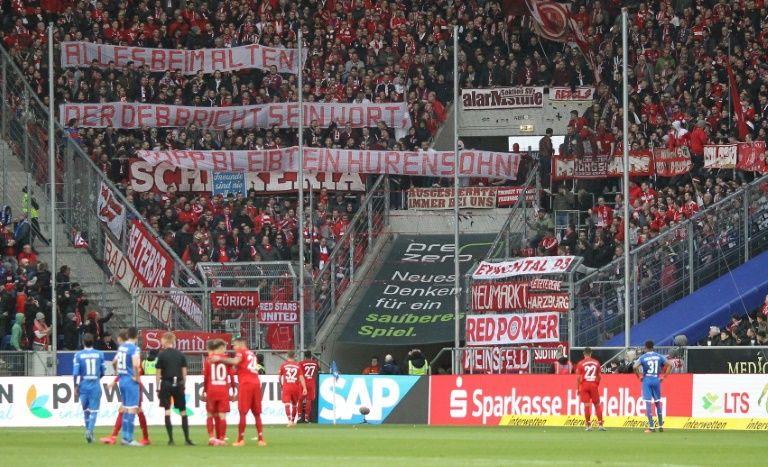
column 748, row 329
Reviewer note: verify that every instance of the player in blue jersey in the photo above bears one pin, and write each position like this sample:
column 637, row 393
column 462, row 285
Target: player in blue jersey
column 88, row 367
column 127, row 364
column 652, row 368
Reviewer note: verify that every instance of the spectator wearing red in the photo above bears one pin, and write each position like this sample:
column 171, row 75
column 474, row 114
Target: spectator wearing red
column 27, row 254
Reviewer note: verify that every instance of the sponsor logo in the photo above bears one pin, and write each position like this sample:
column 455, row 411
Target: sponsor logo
column 36, row 404
column 342, row 398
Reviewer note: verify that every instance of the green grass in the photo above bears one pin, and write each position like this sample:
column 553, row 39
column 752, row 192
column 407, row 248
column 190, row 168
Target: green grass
column 394, row 446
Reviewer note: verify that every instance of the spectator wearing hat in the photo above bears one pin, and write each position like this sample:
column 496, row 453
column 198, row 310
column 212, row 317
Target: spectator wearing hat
column 41, row 332
column 94, row 324
column 390, row 366
column 18, row 336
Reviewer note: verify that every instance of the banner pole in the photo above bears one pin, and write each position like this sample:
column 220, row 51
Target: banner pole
column 52, row 194
column 456, row 166
column 625, row 158
column 300, row 209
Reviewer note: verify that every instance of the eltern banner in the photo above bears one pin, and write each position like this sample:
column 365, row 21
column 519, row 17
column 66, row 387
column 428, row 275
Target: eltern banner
column 186, row 341
column 189, row 62
column 151, row 263
column 502, row 98
column 234, row 300
column 164, row 178
column 110, row 211
column 50, row 402
column 522, row 266
column 442, row 198
column 134, row 116
column 350, row 161
column 512, row 328
column 279, row 312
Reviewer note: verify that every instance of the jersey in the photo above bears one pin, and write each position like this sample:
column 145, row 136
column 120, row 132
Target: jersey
column 289, row 375
column 88, row 364
column 310, row 369
column 652, row 364
column 248, row 368
column 589, row 370
column 217, row 377
column 124, row 358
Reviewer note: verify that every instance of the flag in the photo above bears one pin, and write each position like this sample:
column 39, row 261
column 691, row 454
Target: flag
column 738, row 110
column 334, row 370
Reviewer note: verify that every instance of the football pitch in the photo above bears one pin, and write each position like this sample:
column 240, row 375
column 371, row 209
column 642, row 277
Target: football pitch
column 396, row 445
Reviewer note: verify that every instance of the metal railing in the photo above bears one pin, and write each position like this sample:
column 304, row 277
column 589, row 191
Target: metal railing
column 14, row 363
column 510, row 237
column 678, row 262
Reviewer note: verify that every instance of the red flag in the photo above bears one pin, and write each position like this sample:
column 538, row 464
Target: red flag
column 738, row 110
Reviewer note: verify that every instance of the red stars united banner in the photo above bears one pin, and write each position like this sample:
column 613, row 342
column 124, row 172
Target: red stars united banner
column 354, row 161
column 75, row 54
column 513, row 328
column 132, row 115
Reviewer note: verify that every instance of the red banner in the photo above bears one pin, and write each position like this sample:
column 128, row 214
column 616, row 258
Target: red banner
column 511, row 329
column 751, row 157
column 234, row 300
column 640, row 165
column 507, row 196
column 499, row 296
column 548, row 301
column 279, row 313
column 164, row 178
column 186, row 341
column 485, row 399
column 670, row 163
column 151, row 263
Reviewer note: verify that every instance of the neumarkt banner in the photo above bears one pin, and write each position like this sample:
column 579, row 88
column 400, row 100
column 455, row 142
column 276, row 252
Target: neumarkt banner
column 411, row 298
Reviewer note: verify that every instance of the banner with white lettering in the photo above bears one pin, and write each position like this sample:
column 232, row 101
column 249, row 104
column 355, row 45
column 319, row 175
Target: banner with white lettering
column 640, row 165
column 522, row 266
column 752, row 157
column 442, row 198
column 502, row 98
column 110, row 211
column 189, row 62
column 591, row 166
column 279, row 312
column 493, row 297
column 288, row 182
column 225, row 183
column 186, row 341
column 235, row 300
column 507, row 196
column 579, row 93
column 513, row 328
column 353, row 161
column 720, row 156
column 165, row 178
column 132, row 115
column 150, row 261
column 670, row 163
column 496, row 360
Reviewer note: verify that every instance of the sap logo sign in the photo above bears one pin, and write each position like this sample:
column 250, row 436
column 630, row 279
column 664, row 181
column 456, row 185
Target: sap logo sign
column 381, row 394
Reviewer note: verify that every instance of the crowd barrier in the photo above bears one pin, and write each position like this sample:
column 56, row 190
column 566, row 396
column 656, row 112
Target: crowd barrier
column 707, row 402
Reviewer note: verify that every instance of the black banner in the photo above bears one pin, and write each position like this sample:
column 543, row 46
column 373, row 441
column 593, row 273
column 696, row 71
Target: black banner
column 728, row 360
column 411, row 298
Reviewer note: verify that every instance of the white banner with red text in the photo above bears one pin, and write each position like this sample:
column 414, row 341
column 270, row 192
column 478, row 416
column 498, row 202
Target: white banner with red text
column 110, row 211
column 520, row 97
column 494, row 297
column 720, row 156
column 134, row 116
column 512, row 328
column 579, row 93
column 165, row 178
column 50, row 402
column 186, row 341
column 523, row 266
column 500, row 360
column 189, row 62
column 352, row 161
column 749, row 157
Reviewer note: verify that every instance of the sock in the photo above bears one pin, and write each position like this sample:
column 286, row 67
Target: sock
column 128, row 419
column 169, row 427
column 185, row 426
column 118, row 424
column 221, row 428
column 259, row 428
column 86, row 417
column 649, row 412
column 241, row 427
column 296, row 411
column 658, row 413
column 209, row 425
column 308, row 410
column 587, row 412
column 91, row 420
column 599, row 413
column 289, row 411
column 143, row 424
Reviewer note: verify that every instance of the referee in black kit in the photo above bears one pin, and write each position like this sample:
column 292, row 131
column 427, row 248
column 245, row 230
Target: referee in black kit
column 171, row 377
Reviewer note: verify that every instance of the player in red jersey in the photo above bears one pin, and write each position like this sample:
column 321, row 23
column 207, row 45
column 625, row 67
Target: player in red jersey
column 588, row 387
column 218, row 378
column 294, row 387
column 248, row 390
column 310, row 368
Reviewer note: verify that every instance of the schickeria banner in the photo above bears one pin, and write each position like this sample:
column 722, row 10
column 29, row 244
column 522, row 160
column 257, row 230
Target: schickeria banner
column 730, row 360
column 411, row 298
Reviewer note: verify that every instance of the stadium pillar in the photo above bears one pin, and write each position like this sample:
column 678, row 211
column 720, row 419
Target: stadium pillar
column 52, row 194
column 456, row 165
column 301, row 209
column 625, row 158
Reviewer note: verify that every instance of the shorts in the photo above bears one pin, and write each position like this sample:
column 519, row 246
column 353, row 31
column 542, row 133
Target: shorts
column 217, row 405
column 249, row 399
column 168, row 392
column 589, row 392
column 130, row 392
column 651, row 390
column 291, row 395
column 90, row 397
